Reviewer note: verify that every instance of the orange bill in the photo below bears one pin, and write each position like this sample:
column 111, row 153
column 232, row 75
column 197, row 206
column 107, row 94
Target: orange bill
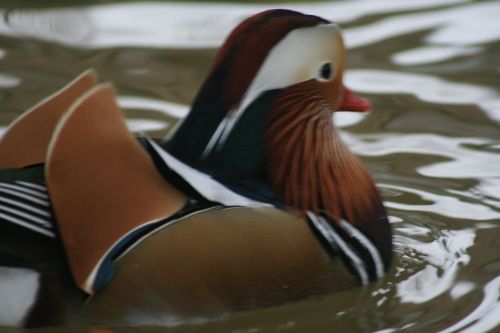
column 353, row 102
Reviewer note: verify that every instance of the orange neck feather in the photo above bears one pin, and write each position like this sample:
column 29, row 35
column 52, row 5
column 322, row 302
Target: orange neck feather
column 310, row 166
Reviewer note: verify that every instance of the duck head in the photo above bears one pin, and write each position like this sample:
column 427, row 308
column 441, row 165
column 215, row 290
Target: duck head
column 265, row 112
column 266, row 57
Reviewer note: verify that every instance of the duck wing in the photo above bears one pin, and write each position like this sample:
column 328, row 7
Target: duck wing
column 102, row 184
column 33, row 129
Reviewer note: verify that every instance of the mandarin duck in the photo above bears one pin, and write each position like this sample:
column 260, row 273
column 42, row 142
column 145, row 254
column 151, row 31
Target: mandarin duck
column 253, row 201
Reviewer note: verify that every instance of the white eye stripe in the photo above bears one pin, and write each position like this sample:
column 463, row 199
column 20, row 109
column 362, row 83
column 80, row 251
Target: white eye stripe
column 294, row 59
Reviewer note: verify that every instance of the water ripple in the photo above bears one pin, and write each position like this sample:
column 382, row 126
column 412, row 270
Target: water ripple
column 8, row 81
column 146, row 125
column 467, row 25
column 485, row 316
column 465, row 162
column 168, row 108
column 426, row 87
column 173, row 24
column 430, row 54
column 444, row 205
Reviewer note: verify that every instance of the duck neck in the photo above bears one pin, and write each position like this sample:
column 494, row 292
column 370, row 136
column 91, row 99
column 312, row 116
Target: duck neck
column 241, row 155
column 313, row 170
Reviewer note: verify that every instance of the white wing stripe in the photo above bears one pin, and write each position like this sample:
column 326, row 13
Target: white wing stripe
column 25, row 196
column 32, row 185
column 26, row 207
column 28, row 225
column 205, row 185
column 25, row 215
column 231, row 122
column 215, row 138
column 355, row 233
column 25, row 190
column 329, row 233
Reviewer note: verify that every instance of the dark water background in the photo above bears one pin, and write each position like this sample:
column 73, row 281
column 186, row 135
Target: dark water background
column 432, row 141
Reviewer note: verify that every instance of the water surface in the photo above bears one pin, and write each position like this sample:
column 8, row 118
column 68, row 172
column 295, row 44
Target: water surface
column 432, row 141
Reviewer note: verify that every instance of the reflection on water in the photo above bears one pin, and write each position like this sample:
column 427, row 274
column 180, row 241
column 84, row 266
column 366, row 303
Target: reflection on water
column 8, row 81
column 144, row 125
column 444, row 256
column 430, row 54
column 485, row 316
column 426, row 87
column 171, row 109
column 444, row 205
column 172, row 24
column 463, row 161
column 431, row 68
column 465, row 25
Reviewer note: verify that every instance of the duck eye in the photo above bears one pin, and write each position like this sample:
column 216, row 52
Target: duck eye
column 325, row 72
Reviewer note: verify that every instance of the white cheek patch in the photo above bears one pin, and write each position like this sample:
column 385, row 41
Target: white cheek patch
column 296, row 58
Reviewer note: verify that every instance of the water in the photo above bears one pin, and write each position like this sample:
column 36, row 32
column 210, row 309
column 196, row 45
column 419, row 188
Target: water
column 432, row 71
